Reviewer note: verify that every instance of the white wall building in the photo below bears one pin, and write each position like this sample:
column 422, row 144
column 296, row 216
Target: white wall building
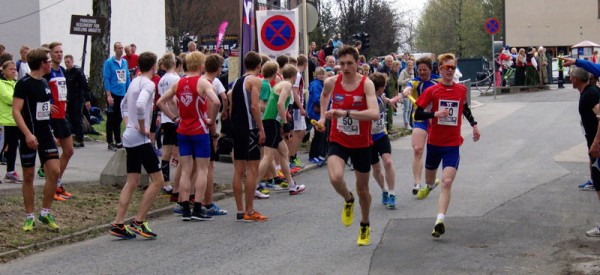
column 35, row 22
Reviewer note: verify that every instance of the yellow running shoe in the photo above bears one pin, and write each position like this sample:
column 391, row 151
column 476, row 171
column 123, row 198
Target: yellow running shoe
column 49, row 221
column 364, row 235
column 29, row 224
column 438, row 229
column 424, row 192
column 348, row 213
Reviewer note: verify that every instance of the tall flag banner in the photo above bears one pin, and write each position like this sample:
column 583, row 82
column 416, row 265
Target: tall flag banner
column 221, row 34
column 278, row 32
column 247, row 30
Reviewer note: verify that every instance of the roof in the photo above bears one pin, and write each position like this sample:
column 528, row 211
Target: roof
column 584, row 44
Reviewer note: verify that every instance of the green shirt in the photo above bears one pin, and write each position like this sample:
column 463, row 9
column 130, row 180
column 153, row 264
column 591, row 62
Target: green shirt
column 265, row 90
column 271, row 109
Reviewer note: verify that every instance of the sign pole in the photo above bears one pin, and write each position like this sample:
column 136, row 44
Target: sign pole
column 493, row 68
column 306, row 50
column 84, row 52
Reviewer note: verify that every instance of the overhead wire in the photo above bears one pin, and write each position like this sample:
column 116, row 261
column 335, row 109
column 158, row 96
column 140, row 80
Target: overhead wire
column 37, row 11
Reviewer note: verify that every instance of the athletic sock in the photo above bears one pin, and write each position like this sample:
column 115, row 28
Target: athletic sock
column 30, row 216
column 164, row 165
column 440, row 217
column 391, row 192
column 58, row 183
column 431, row 186
column 278, row 167
column 384, row 190
column 351, row 198
column 365, row 224
column 45, row 212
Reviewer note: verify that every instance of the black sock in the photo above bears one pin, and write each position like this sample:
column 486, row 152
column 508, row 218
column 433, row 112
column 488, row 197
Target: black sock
column 364, row 224
column 138, row 223
column 351, row 198
column 120, row 225
column 164, row 165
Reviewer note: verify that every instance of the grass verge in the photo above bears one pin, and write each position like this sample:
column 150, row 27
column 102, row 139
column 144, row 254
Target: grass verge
column 92, row 205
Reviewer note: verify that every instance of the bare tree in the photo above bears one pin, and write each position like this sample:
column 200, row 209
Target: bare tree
column 187, row 17
column 100, row 51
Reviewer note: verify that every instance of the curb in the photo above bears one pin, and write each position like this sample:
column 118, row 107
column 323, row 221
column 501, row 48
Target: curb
column 81, row 235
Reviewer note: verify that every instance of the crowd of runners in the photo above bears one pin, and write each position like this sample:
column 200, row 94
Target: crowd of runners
column 179, row 114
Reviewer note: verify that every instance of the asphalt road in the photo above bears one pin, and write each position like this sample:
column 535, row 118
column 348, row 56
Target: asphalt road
column 515, row 209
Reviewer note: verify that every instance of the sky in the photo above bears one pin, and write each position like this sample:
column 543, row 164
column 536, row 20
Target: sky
column 416, row 5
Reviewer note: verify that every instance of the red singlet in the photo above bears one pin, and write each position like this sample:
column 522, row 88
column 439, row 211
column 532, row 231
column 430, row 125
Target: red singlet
column 350, row 132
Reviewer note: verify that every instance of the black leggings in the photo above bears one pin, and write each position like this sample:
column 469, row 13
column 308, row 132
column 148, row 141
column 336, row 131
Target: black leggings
column 113, row 121
column 11, row 143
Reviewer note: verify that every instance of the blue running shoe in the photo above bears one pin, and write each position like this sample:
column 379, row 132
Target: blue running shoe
column 269, row 184
column 391, row 203
column 587, row 186
column 178, row 209
column 214, row 210
column 384, row 198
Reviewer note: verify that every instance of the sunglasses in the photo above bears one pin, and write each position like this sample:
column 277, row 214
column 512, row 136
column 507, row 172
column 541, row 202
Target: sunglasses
column 448, row 67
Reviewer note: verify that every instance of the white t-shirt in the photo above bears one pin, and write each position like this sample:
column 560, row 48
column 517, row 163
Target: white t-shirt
column 219, row 88
column 23, row 69
column 163, row 86
column 137, row 103
column 297, row 85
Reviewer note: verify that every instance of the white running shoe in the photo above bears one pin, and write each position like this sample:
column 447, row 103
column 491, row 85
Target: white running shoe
column 259, row 195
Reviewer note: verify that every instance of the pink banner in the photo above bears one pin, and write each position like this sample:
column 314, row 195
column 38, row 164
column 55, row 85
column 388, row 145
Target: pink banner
column 221, row 34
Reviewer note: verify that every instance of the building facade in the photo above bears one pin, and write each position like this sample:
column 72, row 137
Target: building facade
column 37, row 22
column 554, row 24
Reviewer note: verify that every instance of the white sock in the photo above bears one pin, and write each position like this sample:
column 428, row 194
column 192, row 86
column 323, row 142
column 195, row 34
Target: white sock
column 58, row 183
column 168, row 188
column 278, row 167
column 417, row 186
column 391, row 192
column 292, row 185
column 431, row 186
column 385, row 190
column 45, row 212
column 440, row 217
column 30, row 216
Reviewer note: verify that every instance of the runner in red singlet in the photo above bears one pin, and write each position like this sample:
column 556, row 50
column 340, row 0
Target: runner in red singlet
column 354, row 107
column 194, row 94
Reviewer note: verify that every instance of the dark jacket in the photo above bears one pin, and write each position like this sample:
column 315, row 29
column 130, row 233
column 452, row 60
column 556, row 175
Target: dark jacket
column 77, row 86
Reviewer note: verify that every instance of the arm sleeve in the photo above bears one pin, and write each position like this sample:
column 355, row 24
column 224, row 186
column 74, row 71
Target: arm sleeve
column 6, row 96
column 106, row 75
column 84, row 87
column 124, row 110
column 534, row 62
column 588, row 66
column 140, row 104
column 421, row 114
column 468, row 115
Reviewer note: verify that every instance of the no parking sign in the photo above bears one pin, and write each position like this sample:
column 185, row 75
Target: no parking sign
column 277, row 32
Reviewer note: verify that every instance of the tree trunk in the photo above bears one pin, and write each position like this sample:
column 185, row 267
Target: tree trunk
column 100, row 52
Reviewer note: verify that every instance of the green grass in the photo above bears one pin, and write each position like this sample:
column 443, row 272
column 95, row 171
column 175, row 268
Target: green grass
column 101, row 128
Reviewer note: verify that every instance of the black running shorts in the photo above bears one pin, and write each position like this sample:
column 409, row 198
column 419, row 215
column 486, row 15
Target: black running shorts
column 169, row 133
column 47, row 150
column 60, row 128
column 245, row 145
column 142, row 155
column 380, row 147
column 360, row 157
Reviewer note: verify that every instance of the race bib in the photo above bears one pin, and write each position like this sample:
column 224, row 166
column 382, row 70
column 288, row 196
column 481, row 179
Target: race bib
column 121, row 76
column 348, row 126
column 61, row 85
column 452, row 107
column 378, row 126
column 42, row 111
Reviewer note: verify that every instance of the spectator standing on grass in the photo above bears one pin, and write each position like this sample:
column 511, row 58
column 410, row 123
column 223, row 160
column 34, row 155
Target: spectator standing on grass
column 78, row 95
column 116, row 81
